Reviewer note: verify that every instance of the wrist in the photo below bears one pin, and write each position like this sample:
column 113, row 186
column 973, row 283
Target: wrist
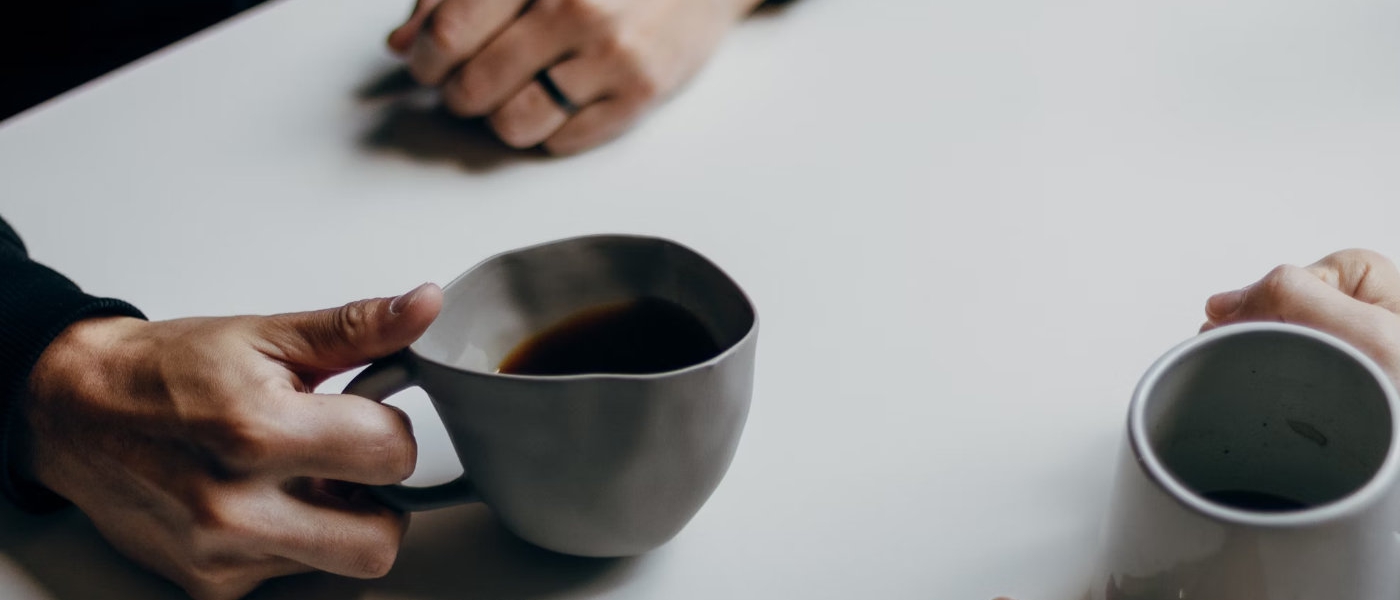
column 83, row 364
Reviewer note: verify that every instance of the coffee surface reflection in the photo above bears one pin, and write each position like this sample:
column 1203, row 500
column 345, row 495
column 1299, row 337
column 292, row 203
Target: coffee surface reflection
column 1256, row 501
column 648, row 335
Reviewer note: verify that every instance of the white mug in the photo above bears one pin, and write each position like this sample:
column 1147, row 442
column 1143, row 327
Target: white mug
column 1260, row 464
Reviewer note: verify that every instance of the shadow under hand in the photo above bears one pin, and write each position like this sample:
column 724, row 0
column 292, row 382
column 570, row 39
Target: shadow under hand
column 65, row 556
column 463, row 553
column 413, row 122
column 390, row 83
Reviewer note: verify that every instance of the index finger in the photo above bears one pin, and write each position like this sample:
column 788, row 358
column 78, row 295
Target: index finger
column 348, row 438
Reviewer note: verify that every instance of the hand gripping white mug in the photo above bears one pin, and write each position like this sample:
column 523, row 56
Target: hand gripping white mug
column 1260, row 464
column 593, row 463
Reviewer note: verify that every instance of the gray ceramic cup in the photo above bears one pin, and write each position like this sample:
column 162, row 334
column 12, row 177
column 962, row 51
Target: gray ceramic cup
column 1260, row 464
column 591, row 465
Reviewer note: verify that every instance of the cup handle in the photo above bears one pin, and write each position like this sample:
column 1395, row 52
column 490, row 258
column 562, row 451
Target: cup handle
column 384, row 378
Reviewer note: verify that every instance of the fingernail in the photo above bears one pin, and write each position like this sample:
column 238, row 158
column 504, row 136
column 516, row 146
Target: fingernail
column 1225, row 304
column 402, row 303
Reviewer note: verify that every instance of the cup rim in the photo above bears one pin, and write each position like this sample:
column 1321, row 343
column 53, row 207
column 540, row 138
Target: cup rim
column 1352, row 503
column 719, row 357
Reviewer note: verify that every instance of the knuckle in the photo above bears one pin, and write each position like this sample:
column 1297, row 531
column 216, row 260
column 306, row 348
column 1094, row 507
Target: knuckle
column 376, row 564
column 1357, row 255
column 207, row 572
column 630, row 59
column 645, row 87
column 443, row 29
column 589, row 14
column 215, row 524
column 388, row 438
column 511, row 127
column 243, row 444
column 209, row 580
column 352, row 321
column 1357, row 260
column 208, row 569
column 375, row 561
column 422, row 71
column 1281, row 283
column 453, row 96
column 617, row 51
column 1276, row 276
column 405, row 462
column 464, row 94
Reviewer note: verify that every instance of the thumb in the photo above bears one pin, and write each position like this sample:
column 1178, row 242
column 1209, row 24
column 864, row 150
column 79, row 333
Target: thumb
column 353, row 334
column 1299, row 295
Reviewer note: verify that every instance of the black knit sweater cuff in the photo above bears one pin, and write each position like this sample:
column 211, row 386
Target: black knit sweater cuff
column 35, row 307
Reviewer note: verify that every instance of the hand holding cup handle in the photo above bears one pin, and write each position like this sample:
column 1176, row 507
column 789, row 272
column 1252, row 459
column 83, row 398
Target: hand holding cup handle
column 591, row 464
column 379, row 381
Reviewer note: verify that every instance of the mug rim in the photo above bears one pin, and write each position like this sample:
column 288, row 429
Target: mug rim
column 719, row 357
column 1358, row 500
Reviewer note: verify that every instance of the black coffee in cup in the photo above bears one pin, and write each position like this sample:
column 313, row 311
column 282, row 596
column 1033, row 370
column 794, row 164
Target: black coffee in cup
column 648, row 335
column 1256, row 501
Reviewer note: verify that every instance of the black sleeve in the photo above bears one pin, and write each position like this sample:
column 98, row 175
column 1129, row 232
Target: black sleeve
column 36, row 304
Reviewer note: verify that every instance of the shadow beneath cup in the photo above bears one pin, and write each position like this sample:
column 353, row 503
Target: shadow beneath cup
column 413, row 123
column 464, row 553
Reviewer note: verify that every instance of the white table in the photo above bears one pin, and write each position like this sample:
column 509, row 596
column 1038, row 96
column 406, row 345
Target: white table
column 968, row 228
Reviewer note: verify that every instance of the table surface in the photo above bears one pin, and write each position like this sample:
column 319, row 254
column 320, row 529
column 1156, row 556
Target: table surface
column 968, row 227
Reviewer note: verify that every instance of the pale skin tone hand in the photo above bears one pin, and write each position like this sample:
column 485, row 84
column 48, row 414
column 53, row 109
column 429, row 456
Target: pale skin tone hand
column 197, row 449
column 1352, row 294
column 614, row 59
